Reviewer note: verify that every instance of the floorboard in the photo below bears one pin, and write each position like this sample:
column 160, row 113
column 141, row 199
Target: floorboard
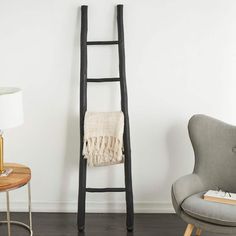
column 64, row 224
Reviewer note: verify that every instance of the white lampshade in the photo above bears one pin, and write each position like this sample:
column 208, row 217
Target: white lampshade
column 11, row 108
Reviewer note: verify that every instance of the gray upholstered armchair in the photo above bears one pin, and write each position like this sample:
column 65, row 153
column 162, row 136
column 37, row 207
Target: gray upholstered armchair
column 214, row 145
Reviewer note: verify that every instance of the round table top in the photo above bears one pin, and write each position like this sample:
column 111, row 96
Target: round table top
column 19, row 177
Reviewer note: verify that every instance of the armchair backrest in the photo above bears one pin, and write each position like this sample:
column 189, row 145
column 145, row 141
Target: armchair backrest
column 214, row 144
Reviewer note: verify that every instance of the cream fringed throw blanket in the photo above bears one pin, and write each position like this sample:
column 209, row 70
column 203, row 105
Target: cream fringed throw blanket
column 103, row 138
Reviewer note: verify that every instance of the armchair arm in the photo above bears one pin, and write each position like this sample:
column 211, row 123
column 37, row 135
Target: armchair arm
column 185, row 187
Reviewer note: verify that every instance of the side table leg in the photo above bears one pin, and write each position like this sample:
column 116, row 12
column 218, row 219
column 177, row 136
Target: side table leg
column 29, row 206
column 8, row 215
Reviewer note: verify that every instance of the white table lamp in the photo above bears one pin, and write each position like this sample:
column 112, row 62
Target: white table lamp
column 11, row 115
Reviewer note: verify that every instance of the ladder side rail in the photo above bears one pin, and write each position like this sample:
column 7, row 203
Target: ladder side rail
column 124, row 108
column 83, row 108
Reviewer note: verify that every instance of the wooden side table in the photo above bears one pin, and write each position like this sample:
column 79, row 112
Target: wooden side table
column 20, row 176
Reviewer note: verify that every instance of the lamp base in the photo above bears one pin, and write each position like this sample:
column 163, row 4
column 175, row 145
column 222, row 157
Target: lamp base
column 6, row 172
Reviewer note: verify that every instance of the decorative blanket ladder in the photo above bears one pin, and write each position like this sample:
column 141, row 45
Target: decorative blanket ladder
column 124, row 107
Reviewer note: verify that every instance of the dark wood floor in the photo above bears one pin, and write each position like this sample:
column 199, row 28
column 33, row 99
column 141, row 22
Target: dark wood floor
column 61, row 224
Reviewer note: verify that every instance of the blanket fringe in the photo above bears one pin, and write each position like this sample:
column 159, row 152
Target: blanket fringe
column 103, row 150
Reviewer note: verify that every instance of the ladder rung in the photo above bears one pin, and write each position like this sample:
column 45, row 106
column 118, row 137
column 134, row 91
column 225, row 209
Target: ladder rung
column 104, row 190
column 102, row 42
column 103, row 80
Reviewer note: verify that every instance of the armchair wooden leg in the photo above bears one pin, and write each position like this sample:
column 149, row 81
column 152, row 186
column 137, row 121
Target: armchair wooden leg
column 198, row 232
column 189, row 230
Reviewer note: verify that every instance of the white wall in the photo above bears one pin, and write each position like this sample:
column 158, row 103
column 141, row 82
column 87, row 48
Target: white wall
column 181, row 60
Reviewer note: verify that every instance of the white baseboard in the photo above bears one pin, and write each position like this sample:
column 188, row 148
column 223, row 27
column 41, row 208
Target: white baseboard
column 92, row 207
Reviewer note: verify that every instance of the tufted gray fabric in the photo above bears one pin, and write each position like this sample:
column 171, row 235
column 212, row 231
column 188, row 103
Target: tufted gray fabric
column 214, row 144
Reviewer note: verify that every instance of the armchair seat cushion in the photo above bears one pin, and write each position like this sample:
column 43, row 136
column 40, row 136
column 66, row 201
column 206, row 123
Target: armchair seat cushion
column 212, row 212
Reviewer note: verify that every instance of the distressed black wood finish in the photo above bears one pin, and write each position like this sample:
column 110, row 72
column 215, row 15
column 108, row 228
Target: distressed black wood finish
column 105, row 190
column 97, row 80
column 102, row 42
column 124, row 107
column 83, row 108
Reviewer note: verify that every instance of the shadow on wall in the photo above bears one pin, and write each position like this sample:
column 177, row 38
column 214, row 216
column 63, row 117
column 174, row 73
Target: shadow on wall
column 180, row 152
column 71, row 157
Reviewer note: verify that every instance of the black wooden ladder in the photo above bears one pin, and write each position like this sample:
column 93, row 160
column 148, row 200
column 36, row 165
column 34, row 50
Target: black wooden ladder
column 124, row 107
